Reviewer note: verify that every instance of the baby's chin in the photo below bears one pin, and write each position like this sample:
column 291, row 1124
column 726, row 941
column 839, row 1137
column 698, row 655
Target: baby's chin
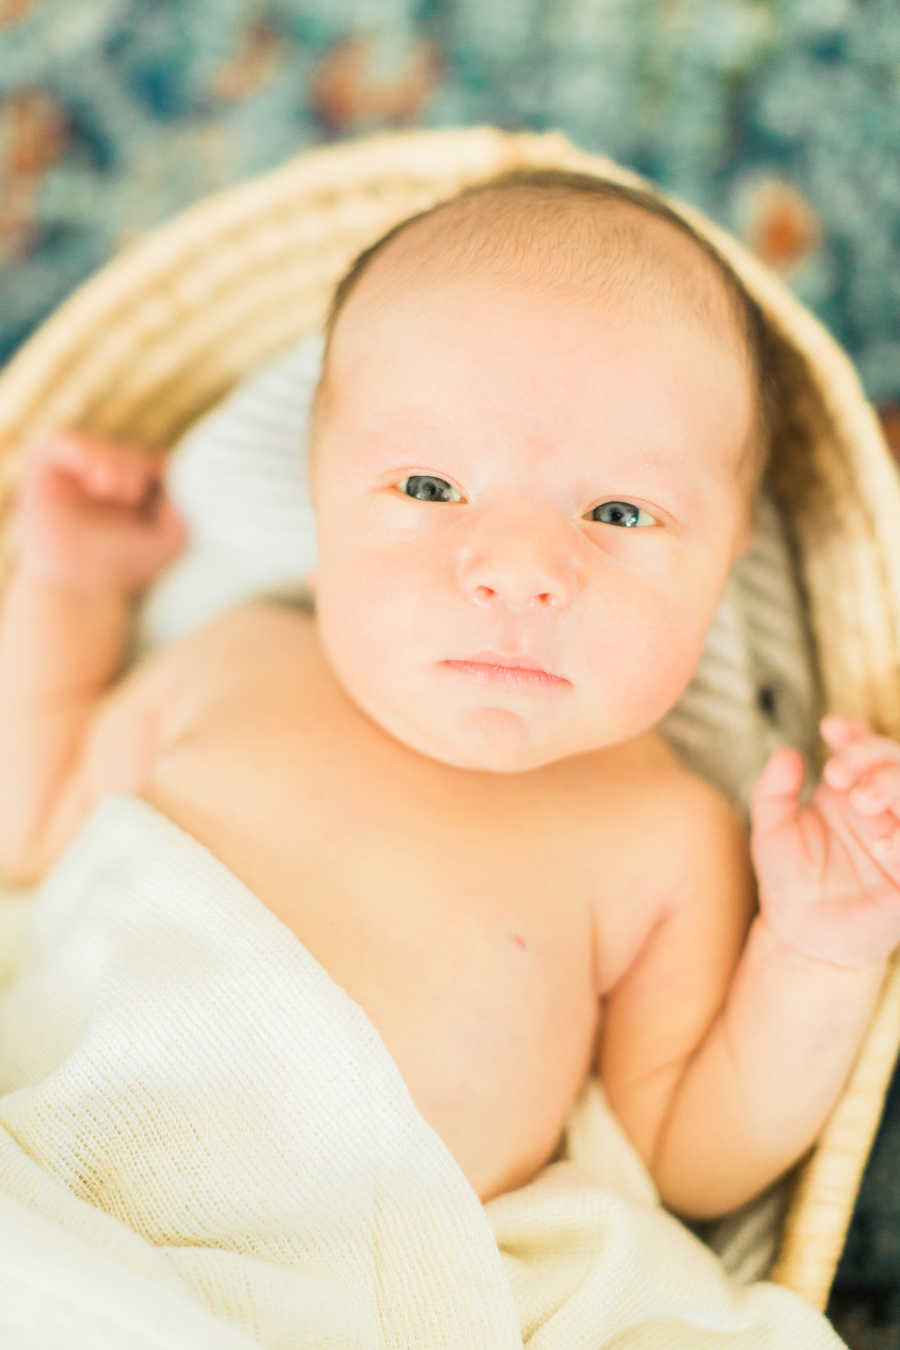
column 481, row 740
column 487, row 736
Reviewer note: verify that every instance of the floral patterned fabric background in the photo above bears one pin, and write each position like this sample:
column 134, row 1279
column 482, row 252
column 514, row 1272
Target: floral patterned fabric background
column 779, row 118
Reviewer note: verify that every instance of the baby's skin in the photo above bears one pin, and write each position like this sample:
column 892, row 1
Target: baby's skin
column 513, row 876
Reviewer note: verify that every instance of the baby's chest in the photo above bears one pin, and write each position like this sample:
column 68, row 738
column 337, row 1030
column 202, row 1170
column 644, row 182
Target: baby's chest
column 461, row 927
column 399, row 880
column 460, row 913
column 380, row 859
column 372, row 863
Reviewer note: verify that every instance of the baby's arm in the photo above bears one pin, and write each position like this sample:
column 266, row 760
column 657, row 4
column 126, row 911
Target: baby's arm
column 722, row 1057
column 658, row 1015
column 765, row 1079
column 91, row 528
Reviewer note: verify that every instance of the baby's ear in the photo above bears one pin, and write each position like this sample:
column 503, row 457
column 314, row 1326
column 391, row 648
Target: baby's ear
column 312, row 578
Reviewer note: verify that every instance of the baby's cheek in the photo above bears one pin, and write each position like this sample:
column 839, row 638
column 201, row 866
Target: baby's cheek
column 373, row 620
column 646, row 647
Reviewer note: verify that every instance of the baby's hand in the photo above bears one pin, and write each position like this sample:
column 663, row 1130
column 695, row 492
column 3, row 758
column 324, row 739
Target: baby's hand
column 829, row 873
column 94, row 514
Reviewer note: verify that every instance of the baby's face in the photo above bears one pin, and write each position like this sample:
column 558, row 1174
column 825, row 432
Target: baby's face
column 518, row 473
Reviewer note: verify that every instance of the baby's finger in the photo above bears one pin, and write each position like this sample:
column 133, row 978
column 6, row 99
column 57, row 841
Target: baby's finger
column 110, row 468
column 878, row 790
column 887, row 851
column 870, row 840
column 840, row 731
column 775, row 799
column 849, row 763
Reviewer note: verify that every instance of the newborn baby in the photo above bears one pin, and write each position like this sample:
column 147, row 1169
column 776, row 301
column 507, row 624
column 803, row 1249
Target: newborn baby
column 534, row 450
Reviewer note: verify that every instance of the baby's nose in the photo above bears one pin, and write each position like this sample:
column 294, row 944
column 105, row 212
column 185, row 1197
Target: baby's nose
column 515, row 598
column 521, row 573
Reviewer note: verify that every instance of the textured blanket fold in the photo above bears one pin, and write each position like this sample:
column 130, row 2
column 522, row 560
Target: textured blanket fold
column 204, row 1142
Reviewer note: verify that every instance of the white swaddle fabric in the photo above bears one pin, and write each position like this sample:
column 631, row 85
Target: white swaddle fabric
column 205, row 1143
column 173, row 1057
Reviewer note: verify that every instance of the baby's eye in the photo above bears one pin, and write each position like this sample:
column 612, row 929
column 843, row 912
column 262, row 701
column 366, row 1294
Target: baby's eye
column 421, row 486
column 621, row 513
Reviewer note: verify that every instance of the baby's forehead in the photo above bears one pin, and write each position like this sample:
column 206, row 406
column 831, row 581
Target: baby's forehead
column 619, row 253
column 620, row 260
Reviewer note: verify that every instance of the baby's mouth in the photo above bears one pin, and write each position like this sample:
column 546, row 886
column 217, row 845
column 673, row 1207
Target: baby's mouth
column 524, row 677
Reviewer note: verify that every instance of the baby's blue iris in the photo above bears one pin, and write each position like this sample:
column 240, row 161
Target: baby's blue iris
column 423, row 490
column 620, row 510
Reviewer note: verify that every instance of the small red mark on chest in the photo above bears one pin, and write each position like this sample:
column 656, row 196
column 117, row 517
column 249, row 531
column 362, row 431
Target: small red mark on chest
column 518, row 940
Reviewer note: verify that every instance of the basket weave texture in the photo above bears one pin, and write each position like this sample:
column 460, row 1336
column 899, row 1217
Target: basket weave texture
column 167, row 328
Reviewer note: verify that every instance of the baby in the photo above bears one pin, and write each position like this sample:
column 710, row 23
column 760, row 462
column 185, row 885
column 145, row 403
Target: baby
column 541, row 423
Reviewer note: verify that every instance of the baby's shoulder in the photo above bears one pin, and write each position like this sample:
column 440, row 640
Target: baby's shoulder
column 687, row 810
column 673, row 833
column 244, row 654
column 671, row 792
column 699, row 849
column 263, row 627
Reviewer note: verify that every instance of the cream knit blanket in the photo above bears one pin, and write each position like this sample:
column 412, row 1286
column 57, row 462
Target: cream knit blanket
column 204, row 1143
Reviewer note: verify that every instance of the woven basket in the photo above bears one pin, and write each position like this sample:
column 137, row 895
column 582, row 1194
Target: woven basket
column 167, row 328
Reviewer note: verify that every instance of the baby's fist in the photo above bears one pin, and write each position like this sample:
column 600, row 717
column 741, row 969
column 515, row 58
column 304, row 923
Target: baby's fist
column 94, row 514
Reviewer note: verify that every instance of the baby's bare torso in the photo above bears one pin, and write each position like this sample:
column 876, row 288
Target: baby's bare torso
column 476, row 918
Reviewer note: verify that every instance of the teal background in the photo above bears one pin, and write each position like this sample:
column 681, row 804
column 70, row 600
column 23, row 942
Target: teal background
column 780, row 118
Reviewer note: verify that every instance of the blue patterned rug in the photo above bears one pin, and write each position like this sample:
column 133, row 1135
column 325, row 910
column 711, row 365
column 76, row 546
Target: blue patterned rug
column 779, row 118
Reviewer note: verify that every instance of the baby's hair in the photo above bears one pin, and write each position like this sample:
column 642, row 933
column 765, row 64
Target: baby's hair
column 557, row 191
